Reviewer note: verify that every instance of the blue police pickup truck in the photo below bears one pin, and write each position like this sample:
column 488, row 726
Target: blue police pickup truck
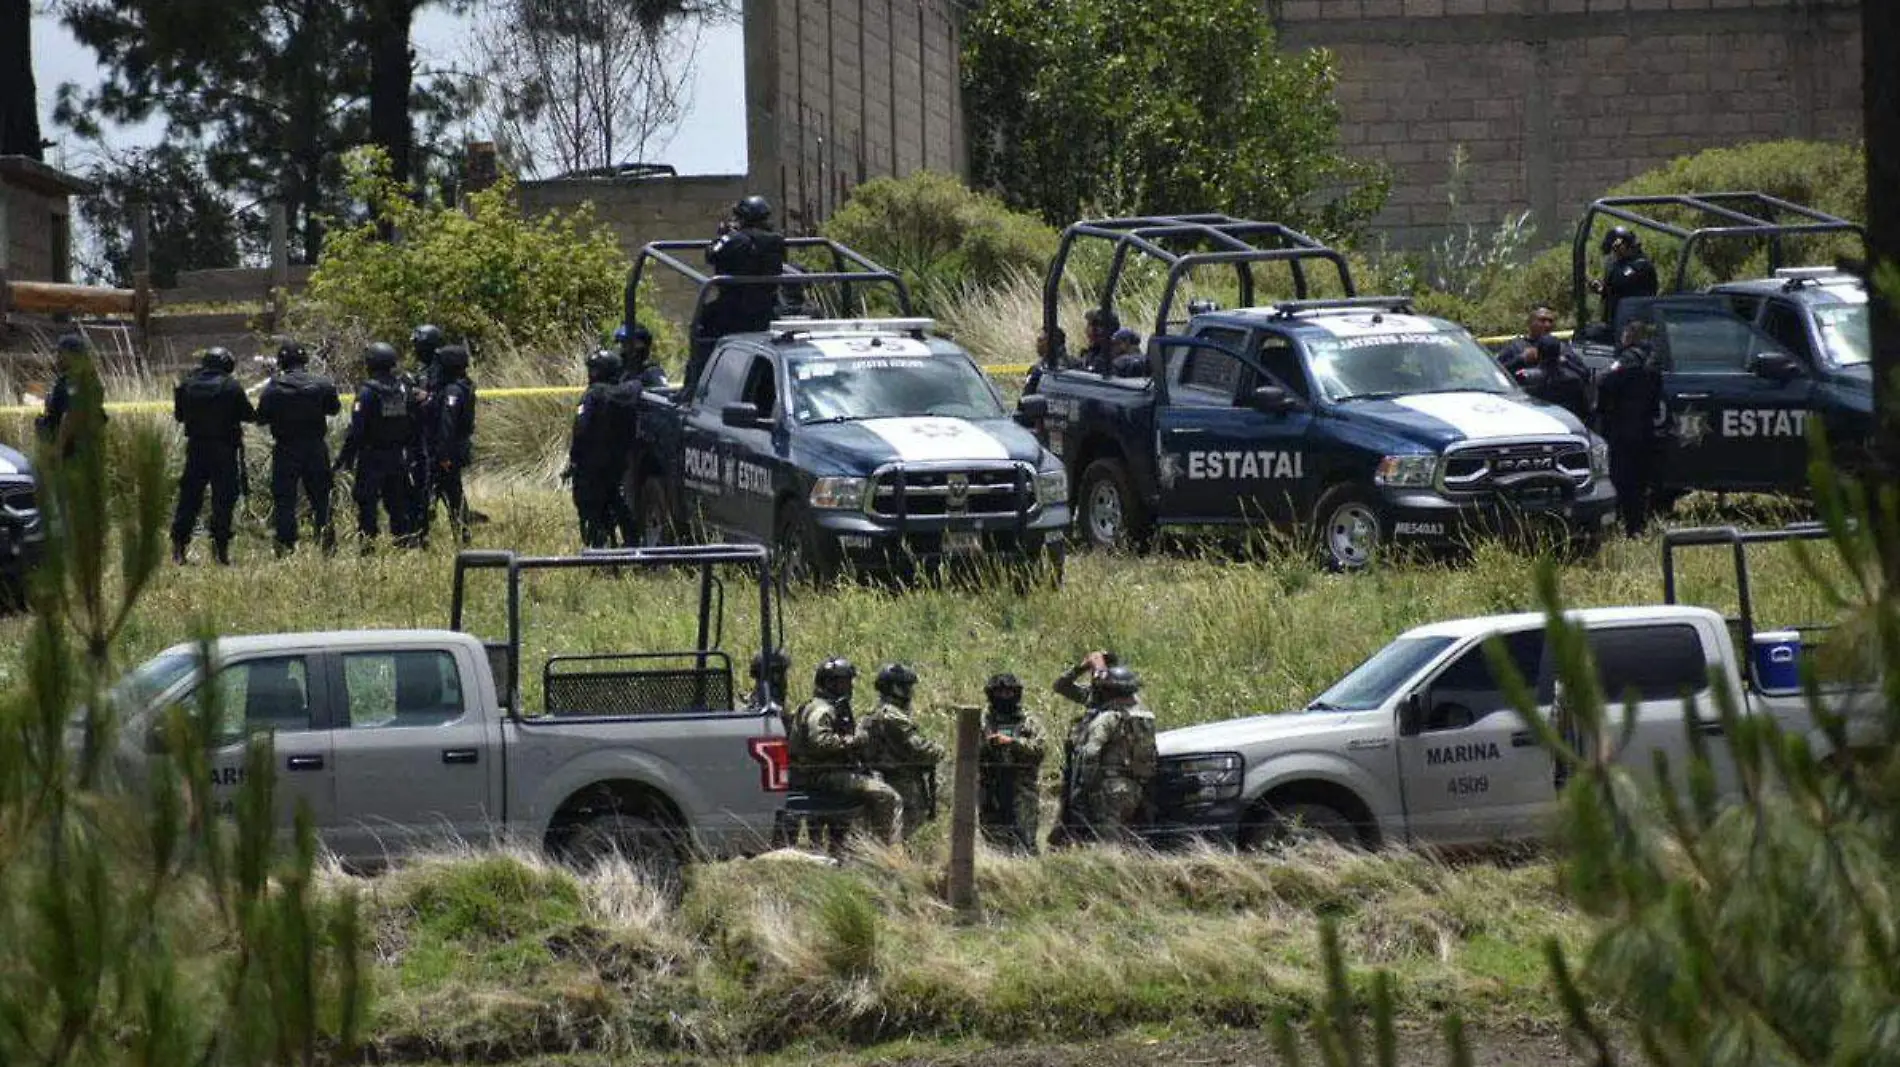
column 1353, row 418
column 864, row 444
column 1748, row 364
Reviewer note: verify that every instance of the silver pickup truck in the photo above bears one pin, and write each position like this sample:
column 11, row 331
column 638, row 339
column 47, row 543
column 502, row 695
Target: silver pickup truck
column 1419, row 744
column 399, row 740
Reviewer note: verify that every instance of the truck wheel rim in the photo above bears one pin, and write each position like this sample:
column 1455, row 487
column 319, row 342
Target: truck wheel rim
column 1105, row 513
column 1351, row 534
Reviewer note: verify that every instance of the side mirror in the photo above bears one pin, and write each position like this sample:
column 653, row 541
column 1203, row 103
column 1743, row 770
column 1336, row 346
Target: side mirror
column 1270, row 399
column 1775, row 365
column 1411, row 716
column 740, row 414
column 1031, row 410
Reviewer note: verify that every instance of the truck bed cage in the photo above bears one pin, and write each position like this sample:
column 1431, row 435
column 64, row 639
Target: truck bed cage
column 1184, row 242
column 848, row 268
column 701, row 687
column 1737, row 541
column 1734, row 214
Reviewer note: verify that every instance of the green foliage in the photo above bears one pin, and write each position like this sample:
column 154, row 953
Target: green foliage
column 943, row 238
column 1144, row 107
column 480, row 271
column 136, row 925
column 193, row 224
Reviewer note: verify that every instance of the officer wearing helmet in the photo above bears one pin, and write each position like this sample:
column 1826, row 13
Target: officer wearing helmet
column 448, row 435
column 1008, row 766
column 1628, row 273
column 52, row 425
column 425, row 341
column 597, row 452
column 746, row 247
column 1110, row 756
column 636, row 357
column 213, row 409
column 1098, row 356
column 897, row 751
column 826, row 750
column 296, row 406
column 771, row 673
column 382, row 428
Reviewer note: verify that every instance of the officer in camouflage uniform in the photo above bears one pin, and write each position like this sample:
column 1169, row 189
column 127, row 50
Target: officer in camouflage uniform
column 1008, row 768
column 897, row 752
column 1110, row 759
column 826, row 751
column 770, row 678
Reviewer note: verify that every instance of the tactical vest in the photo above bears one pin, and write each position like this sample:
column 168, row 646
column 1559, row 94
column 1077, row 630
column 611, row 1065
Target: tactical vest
column 204, row 402
column 299, row 405
column 386, row 418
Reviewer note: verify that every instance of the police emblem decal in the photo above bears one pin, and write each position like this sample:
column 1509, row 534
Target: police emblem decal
column 958, row 496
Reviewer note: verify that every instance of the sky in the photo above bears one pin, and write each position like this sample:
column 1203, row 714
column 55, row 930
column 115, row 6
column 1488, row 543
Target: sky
column 711, row 140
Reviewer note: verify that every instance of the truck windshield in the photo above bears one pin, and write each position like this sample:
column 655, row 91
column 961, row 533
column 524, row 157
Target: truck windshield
column 832, row 389
column 1399, row 364
column 1373, row 682
column 154, row 676
column 1846, row 333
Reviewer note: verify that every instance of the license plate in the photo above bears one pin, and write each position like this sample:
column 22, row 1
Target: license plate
column 962, row 541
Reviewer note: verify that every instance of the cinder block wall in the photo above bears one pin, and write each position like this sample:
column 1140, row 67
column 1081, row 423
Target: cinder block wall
column 1556, row 100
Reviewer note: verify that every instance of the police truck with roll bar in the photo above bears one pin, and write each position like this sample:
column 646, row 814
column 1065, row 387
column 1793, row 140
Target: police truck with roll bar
column 1746, row 364
column 1354, row 417
column 858, row 442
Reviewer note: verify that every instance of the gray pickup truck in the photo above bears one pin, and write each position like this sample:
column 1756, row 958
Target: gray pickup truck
column 400, row 740
column 1419, row 745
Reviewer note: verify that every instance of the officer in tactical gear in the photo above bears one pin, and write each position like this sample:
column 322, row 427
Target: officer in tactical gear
column 59, row 400
column 897, row 752
column 826, row 751
column 296, row 406
column 1629, row 273
column 1099, row 355
column 746, row 247
column 1007, row 769
column 381, row 432
column 1552, row 371
column 213, row 408
column 770, row 683
column 636, row 357
column 449, row 438
column 597, row 452
column 1109, row 758
column 425, row 341
column 1633, row 417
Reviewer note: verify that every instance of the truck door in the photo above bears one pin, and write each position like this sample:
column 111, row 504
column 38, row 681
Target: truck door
column 705, row 439
column 415, row 761
column 1648, row 671
column 1470, row 769
column 1785, row 324
column 752, row 451
column 1735, row 427
column 1224, row 460
column 281, row 696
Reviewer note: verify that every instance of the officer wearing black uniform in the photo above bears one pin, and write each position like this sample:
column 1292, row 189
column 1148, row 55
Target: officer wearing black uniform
column 597, row 451
column 636, row 357
column 59, row 400
column 747, row 246
column 451, row 434
column 1630, row 272
column 296, row 406
column 213, row 408
column 1632, row 417
column 381, row 432
column 1552, row 371
column 1099, row 356
column 426, row 342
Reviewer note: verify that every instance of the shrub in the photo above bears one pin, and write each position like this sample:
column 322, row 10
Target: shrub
column 480, row 271
column 941, row 236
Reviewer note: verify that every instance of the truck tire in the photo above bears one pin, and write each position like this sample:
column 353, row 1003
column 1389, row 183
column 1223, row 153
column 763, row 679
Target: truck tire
column 1113, row 517
column 1275, row 826
column 647, row 846
column 1348, row 528
column 654, row 512
column 803, row 553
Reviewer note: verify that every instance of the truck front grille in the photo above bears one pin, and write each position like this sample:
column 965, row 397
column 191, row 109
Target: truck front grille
column 1517, row 467
column 915, row 492
column 19, row 496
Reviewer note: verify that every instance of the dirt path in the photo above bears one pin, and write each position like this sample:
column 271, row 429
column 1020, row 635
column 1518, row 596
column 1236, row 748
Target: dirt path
column 1417, row 1048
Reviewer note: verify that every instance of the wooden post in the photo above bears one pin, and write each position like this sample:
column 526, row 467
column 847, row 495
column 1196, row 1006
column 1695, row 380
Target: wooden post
column 961, row 882
column 142, row 280
column 279, row 266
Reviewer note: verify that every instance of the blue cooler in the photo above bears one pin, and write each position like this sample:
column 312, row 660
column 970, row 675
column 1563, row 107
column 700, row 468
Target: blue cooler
column 1778, row 661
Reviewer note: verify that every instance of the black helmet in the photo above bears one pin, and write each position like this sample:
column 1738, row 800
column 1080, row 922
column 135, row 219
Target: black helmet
column 426, row 339
column 834, row 673
column 753, row 209
column 775, row 661
column 218, row 358
column 1105, row 318
column 1113, row 683
column 1619, row 234
column 70, row 342
column 603, row 366
column 1002, row 684
column 291, row 354
column 453, row 360
column 895, row 680
column 380, row 357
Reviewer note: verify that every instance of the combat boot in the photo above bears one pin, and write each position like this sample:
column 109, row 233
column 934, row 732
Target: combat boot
column 178, row 553
column 221, row 551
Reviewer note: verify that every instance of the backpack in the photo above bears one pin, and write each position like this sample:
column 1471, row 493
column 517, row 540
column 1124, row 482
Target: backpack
column 1137, row 732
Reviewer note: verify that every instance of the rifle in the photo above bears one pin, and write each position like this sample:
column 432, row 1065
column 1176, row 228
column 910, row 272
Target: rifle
column 243, row 471
column 930, row 793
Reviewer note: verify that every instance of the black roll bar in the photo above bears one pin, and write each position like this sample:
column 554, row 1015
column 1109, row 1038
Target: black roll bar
column 1737, row 541
column 848, row 267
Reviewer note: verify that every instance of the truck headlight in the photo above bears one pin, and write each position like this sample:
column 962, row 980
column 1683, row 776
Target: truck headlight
column 1052, row 487
column 1599, row 458
column 1413, row 470
column 1205, row 776
column 845, row 494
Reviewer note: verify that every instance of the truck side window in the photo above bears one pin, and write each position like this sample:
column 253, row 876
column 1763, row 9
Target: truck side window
column 1706, row 340
column 263, row 696
column 1206, row 377
column 721, row 382
column 1786, row 327
column 1467, row 691
column 400, row 689
column 1277, row 355
column 1653, row 662
column 761, row 387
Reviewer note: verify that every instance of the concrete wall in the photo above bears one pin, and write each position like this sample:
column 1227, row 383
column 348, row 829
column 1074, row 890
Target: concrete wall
column 28, row 235
column 1556, row 100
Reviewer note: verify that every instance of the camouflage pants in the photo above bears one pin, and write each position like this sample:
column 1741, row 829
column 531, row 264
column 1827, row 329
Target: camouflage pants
column 1012, row 827
column 884, row 809
column 915, row 793
column 1108, row 809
